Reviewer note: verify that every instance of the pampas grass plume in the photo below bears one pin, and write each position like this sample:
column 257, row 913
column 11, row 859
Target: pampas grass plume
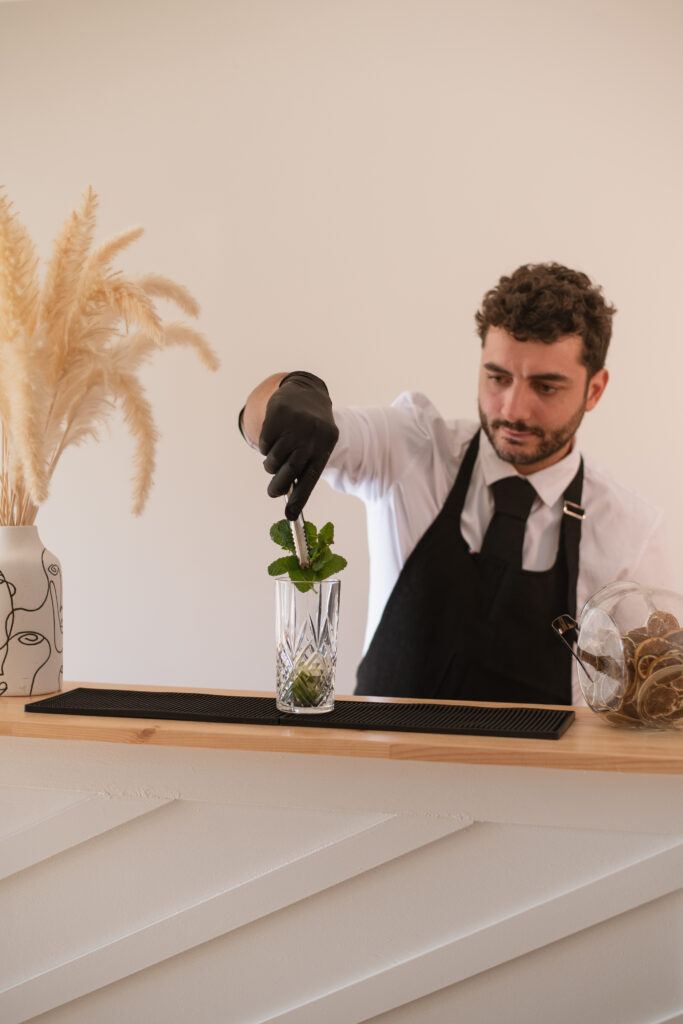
column 70, row 350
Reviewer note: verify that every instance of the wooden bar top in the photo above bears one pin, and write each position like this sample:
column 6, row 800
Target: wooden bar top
column 589, row 744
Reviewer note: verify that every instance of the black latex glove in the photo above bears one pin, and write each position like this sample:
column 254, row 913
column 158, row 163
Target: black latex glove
column 297, row 438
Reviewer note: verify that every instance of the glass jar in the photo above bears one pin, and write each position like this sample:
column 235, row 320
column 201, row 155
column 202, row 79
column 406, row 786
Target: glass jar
column 630, row 654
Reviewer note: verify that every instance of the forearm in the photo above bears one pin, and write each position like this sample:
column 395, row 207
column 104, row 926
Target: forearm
column 254, row 410
column 289, row 418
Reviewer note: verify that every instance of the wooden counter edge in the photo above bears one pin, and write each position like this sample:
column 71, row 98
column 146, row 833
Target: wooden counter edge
column 589, row 744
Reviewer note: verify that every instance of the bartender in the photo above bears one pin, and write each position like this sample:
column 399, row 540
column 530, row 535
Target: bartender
column 480, row 534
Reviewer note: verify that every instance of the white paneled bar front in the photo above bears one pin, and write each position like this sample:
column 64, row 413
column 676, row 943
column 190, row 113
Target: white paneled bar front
column 163, row 871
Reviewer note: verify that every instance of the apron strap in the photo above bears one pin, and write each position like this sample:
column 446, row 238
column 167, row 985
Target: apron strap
column 572, row 518
column 455, row 501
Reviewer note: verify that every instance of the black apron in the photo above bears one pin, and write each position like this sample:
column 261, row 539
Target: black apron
column 463, row 626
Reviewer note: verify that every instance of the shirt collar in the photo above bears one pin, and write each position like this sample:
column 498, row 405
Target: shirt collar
column 550, row 483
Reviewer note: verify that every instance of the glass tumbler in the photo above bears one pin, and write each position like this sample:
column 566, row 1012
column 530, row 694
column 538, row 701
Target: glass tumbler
column 306, row 623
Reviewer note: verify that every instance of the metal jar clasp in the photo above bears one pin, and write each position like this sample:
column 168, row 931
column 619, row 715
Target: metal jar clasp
column 565, row 624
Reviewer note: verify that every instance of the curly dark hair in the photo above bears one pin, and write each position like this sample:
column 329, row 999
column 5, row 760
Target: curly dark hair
column 543, row 302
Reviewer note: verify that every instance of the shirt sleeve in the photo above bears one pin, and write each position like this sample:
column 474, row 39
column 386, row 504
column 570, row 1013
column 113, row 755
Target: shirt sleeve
column 378, row 445
column 624, row 537
column 654, row 565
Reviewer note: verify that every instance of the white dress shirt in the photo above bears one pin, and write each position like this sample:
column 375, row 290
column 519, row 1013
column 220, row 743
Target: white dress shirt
column 402, row 461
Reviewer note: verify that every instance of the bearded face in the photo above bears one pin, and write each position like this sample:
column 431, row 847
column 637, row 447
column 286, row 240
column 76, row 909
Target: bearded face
column 533, row 396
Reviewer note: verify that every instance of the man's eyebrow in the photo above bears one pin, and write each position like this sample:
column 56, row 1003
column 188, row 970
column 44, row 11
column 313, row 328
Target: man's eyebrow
column 558, row 377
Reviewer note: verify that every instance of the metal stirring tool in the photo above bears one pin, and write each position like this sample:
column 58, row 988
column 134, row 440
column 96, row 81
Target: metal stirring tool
column 299, row 535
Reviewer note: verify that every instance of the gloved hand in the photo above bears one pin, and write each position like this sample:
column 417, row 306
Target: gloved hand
column 297, row 437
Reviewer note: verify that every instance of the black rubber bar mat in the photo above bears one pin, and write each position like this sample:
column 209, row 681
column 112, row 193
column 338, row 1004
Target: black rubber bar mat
column 529, row 723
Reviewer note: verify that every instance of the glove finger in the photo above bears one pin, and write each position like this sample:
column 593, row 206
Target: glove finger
column 282, row 480
column 302, row 489
column 275, row 427
column 282, row 450
column 267, row 439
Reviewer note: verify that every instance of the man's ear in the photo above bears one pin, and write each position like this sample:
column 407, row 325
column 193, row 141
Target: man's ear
column 596, row 386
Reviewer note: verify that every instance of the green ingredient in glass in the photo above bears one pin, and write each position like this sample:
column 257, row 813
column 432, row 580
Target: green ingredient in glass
column 306, row 690
column 323, row 562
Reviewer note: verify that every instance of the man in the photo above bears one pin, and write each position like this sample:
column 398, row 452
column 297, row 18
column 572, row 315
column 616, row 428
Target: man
column 480, row 535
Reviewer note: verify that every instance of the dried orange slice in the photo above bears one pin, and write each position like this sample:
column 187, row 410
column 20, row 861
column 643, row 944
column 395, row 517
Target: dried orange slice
column 675, row 637
column 660, row 700
column 632, row 682
column 667, row 660
column 629, row 646
column 638, row 635
column 646, row 653
column 660, row 623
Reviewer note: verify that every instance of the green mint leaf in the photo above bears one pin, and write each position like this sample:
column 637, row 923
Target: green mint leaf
column 281, row 533
column 334, row 565
column 326, row 534
column 305, row 690
column 283, row 566
column 299, row 572
column 303, row 587
column 303, row 579
column 321, row 561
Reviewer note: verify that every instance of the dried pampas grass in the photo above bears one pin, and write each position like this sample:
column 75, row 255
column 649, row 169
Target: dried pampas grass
column 70, row 350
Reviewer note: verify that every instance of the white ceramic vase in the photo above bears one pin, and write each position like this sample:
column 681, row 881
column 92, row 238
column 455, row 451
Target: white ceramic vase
column 31, row 657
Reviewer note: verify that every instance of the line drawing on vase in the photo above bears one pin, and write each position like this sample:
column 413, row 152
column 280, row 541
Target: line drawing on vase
column 31, row 638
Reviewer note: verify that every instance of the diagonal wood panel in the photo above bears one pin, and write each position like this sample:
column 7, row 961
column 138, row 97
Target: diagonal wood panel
column 67, row 824
column 412, row 934
column 535, row 796
column 153, row 867
column 293, row 867
column 626, row 970
column 564, row 982
column 266, row 888
column 21, row 807
column 498, row 943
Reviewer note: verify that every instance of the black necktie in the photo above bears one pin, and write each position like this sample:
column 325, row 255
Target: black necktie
column 513, row 497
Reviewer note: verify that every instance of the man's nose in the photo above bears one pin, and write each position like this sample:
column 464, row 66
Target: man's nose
column 517, row 402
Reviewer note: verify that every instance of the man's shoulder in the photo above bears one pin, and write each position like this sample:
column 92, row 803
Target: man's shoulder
column 408, row 440
column 406, row 443
column 608, row 494
column 417, row 407
column 626, row 534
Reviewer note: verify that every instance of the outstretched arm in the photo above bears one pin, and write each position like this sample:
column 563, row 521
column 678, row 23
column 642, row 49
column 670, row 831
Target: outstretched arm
column 290, row 417
column 254, row 411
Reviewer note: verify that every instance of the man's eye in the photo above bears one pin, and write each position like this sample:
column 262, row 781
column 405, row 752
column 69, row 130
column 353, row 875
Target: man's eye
column 497, row 378
column 545, row 389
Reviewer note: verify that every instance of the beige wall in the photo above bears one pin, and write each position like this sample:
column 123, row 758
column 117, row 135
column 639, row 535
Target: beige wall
column 338, row 183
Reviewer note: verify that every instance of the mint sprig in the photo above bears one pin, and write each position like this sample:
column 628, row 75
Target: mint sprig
column 324, row 562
